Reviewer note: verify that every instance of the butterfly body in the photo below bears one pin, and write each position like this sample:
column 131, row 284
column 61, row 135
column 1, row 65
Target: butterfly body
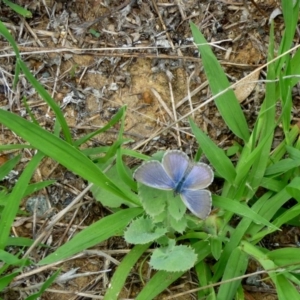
column 186, row 178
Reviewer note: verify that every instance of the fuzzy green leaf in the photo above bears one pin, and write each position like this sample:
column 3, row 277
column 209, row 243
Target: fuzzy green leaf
column 176, row 207
column 178, row 225
column 173, row 258
column 106, row 197
column 153, row 200
column 143, row 231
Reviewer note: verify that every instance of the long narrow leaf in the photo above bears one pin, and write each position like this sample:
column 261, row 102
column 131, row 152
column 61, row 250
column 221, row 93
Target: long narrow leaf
column 120, row 275
column 241, row 209
column 94, row 234
column 215, row 155
column 44, row 94
column 62, row 152
column 11, row 208
column 236, row 266
column 227, row 103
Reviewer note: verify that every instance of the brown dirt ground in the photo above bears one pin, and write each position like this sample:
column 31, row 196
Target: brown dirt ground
column 149, row 81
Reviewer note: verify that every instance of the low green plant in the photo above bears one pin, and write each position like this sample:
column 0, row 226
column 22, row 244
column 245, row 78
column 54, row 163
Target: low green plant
column 254, row 191
column 18, row 9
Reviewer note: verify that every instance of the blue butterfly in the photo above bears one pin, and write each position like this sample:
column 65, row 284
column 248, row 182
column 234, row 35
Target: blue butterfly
column 176, row 172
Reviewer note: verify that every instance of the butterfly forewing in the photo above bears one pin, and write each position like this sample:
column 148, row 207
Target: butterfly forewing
column 199, row 177
column 154, row 175
column 175, row 163
column 197, row 201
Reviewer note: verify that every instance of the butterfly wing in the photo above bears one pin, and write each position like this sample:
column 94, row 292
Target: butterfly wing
column 175, row 163
column 154, row 175
column 198, row 202
column 200, row 177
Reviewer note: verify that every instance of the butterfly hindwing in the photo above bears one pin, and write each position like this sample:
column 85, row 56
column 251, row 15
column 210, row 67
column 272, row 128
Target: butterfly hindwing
column 197, row 201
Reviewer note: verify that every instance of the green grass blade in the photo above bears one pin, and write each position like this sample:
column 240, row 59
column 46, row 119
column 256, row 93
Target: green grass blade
column 35, row 187
column 94, row 234
column 241, row 209
column 14, row 146
column 237, row 235
column 8, row 166
column 290, row 11
column 63, row 152
column 285, row 289
column 295, row 68
column 227, row 103
column 124, row 173
column 285, row 256
column 120, row 275
column 4, row 31
column 236, row 266
column 18, row 9
column 7, row 279
column 215, row 155
column 11, row 259
column 39, row 88
column 270, row 208
column 115, row 119
column 11, row 208
column 45, row 285
column 19, row 241
column 282, row 167
column 44, row 94
column 262, row 136
column 204, row 277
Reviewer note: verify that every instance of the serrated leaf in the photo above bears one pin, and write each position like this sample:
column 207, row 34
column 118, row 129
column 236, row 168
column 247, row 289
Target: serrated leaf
column 142, row 231
column 153, row 200
column 178, row 225
column 160, row 218
column 173, row 258
column 162, row 279
column 176, row 207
